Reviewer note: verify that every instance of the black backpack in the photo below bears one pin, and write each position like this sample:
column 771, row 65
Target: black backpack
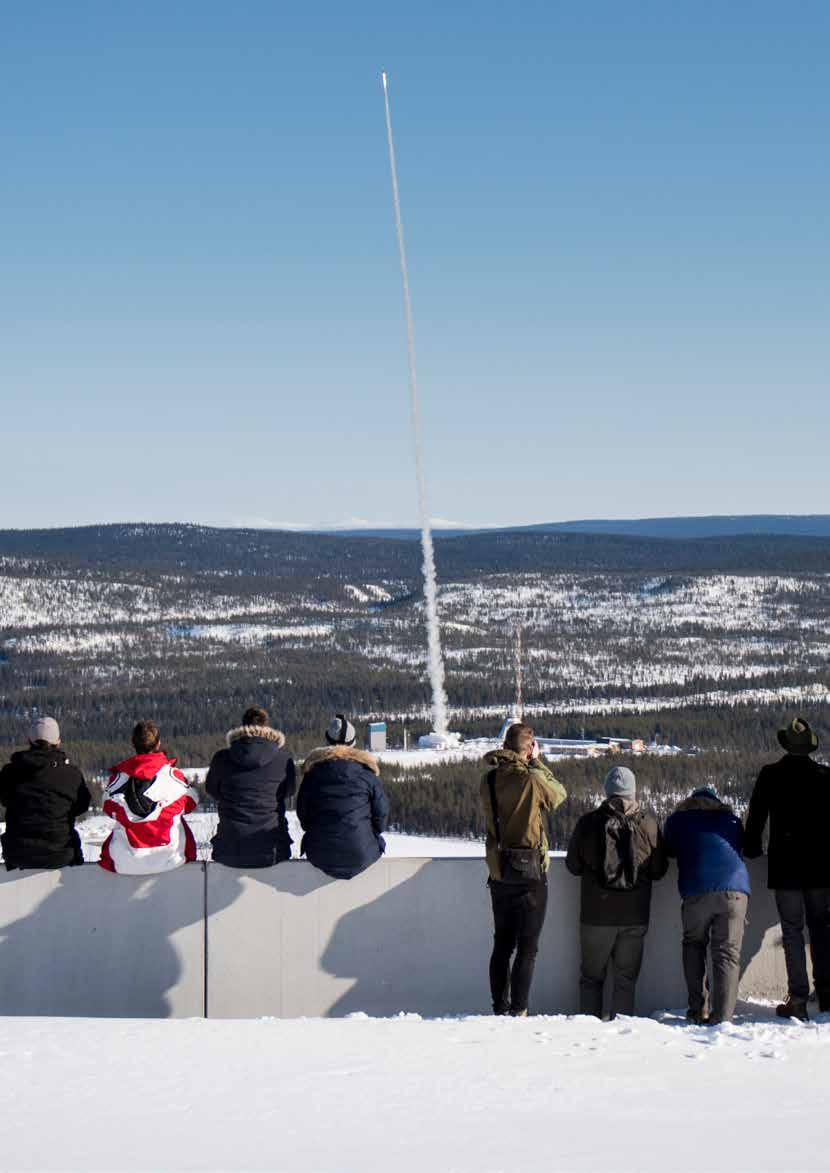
column 618, row 864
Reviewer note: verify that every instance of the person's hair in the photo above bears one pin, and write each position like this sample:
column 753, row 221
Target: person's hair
column 146, row 737
column 255, row 716
column 519, row 738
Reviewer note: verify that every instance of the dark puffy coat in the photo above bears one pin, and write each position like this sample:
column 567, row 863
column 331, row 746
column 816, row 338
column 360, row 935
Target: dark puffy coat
column 43, row 794
column 794, row 794
column 343, row 810
column 250, row 781
column 586, row 855
column 705, row 836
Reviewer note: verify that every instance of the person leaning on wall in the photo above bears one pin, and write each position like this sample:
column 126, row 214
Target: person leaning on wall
column 148, row 799
column 794, row 795
column 705, row 836
column 618, row 852
column 516, row 792
column 43, row 795
column 341, row 805
column 250, row 780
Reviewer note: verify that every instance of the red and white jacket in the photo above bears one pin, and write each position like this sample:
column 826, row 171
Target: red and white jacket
column 148, row 799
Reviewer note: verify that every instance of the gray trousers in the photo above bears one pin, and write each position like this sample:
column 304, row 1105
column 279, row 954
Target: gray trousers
column 622, row 945
column 714, row 920
column 795, row 905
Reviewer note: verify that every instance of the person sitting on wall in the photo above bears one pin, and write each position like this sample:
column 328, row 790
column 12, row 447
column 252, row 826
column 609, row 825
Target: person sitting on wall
column 516, row 793
column 341, row 805
column 794, row 794
column 618, row 851
column 250, row 781
column 148, row 798
column 705, row 836
column 43, row 795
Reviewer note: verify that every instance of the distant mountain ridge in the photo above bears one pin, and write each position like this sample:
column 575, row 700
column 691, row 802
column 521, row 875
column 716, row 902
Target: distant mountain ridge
column 816, row 525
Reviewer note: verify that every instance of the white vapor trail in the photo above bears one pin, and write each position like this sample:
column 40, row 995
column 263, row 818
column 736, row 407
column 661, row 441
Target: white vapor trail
column 436, row 661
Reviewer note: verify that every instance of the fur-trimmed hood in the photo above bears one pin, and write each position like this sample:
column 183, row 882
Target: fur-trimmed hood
column 703, row 802
column 263, row 732
column 328, row 753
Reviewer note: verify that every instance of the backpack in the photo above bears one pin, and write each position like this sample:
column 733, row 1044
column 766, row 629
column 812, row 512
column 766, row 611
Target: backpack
column 618, row 866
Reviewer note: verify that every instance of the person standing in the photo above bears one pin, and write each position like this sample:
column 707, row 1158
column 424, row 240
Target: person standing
column 43, row 795
column 516, row 793
column 148, row 799
column 341, row 805
column 250, row 781
column 618, row 852
column 794, row 795
column 705, row 836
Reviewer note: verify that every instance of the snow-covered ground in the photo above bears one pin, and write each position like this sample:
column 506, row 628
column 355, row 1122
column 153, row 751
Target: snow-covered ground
column 474, row 1094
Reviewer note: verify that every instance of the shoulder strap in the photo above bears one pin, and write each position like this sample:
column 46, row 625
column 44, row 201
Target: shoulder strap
column 491, row 785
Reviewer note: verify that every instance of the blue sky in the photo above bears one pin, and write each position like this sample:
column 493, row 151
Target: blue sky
column 618, row 235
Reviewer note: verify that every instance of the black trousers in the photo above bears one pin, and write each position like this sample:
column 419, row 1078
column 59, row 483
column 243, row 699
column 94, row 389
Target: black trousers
column 518, row 914
column 795, row 906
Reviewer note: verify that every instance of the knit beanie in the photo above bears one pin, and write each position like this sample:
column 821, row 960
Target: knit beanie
column 45, row 729
column 340, row 731
column 620, row 783
column 705, row 792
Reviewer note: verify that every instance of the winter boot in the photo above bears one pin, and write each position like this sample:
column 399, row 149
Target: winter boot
column 793, row 1008
column 696, row 1017
column 518, row 1013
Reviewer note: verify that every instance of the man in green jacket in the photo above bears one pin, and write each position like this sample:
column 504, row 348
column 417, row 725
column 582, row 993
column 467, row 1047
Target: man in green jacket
column 516, row 793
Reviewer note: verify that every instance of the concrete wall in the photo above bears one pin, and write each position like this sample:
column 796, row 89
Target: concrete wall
column 407, row 935
column 83, row 942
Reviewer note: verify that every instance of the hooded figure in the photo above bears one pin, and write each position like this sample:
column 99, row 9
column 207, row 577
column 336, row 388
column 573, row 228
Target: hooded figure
column 148, row 799
column 43, row 795
column 341, row 805
column 705, row 836
column 250, row 781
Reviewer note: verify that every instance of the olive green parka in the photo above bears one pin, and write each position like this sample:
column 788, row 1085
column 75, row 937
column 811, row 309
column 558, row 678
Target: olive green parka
column 525, row 791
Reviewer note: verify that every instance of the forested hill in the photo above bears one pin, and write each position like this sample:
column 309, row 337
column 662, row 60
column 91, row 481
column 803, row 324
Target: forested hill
column 139, row 552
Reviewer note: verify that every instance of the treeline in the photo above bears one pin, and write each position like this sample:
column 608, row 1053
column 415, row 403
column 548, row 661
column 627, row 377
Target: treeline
column 444, row 801
column 242, row 559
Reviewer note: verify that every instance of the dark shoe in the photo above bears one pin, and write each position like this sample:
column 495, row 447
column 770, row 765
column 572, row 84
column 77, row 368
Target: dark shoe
column 696, row 1017
column 501, row 1011
column 715, row 1020
column 793, row 1008
column 518, row 1013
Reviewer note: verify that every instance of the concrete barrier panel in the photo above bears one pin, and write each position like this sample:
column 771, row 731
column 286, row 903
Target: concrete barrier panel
column 82, row 942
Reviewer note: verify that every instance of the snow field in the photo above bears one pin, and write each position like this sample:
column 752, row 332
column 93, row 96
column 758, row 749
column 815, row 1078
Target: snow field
column 451, row 1095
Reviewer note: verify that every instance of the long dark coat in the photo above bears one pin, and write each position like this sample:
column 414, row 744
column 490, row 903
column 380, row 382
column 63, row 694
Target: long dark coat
column 794, row 794
column 43, row 794
column 343, row 810
column 251, row 781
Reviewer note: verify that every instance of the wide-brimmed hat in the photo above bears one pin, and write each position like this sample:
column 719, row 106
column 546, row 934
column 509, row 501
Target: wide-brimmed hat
column 798, row 737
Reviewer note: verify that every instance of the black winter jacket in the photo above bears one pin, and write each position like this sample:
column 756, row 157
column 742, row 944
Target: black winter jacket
column 343, row 810
column 586, row 855
column 250, row 781
column 794, row 794
column 43, row 794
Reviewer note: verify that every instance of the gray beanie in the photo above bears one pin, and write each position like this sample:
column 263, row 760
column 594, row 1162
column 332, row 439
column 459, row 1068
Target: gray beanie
column 340, row 731
column 620, row 783
column 45, row 729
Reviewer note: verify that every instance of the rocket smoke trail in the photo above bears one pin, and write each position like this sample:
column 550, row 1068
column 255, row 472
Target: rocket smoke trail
column 436, row 662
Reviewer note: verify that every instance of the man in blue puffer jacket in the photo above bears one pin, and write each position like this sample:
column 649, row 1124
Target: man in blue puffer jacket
column 341, row 805
column 706, row 837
